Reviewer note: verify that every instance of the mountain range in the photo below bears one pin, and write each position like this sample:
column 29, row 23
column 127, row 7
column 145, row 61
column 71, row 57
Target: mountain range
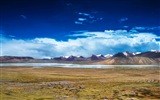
column 120, row 58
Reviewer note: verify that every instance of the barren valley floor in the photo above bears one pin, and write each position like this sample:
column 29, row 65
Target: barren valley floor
column 51, row 83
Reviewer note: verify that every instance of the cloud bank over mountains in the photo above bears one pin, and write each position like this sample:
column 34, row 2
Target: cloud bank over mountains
column 84, row 43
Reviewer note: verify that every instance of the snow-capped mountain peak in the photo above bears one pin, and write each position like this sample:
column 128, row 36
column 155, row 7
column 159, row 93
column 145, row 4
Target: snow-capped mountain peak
column 153, row 50
column 136, row 53
column 108, row 55
column 66, row 56
column 125, row 53
column 99, row 55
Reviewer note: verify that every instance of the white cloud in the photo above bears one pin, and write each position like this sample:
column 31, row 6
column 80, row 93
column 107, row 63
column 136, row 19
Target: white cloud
column 82, row 19
column 109, row 41
column 84, row 14
column 125, row 26
column 88, row 18
column 77, row 22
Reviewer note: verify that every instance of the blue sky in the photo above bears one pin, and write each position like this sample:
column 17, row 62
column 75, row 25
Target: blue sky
column 78, row 27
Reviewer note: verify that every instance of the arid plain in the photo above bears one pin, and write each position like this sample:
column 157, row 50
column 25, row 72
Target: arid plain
column 53, row 83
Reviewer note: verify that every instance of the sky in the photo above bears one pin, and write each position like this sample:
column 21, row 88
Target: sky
column 50, row 28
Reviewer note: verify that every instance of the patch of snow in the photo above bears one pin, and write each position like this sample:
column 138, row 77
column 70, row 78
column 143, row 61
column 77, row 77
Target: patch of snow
column 108, row 55
column 153, row 50
column 66, row 56
column 99, row 55
column 125, row 53
column 136, row 53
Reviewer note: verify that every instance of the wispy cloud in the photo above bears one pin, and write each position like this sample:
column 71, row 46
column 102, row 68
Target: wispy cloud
column 80, row 31
column 78, row 22
column 91, row 17
column 82, row 19
column 88, row 18
column 123, row 19
column 146, row 28
column 125, row 26
column 69, row 4
column 23, row 16
column 12, row 36
column 100, row 18
column 84, row 14
column 109, row 41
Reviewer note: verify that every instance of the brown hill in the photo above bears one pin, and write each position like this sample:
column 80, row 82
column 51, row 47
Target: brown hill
column 130, row 61
column 15, row 59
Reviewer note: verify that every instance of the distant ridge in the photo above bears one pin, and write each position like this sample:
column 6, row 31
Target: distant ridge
column 130, row 61
column 120, row 58
column 15, row 59
column 126, row 58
